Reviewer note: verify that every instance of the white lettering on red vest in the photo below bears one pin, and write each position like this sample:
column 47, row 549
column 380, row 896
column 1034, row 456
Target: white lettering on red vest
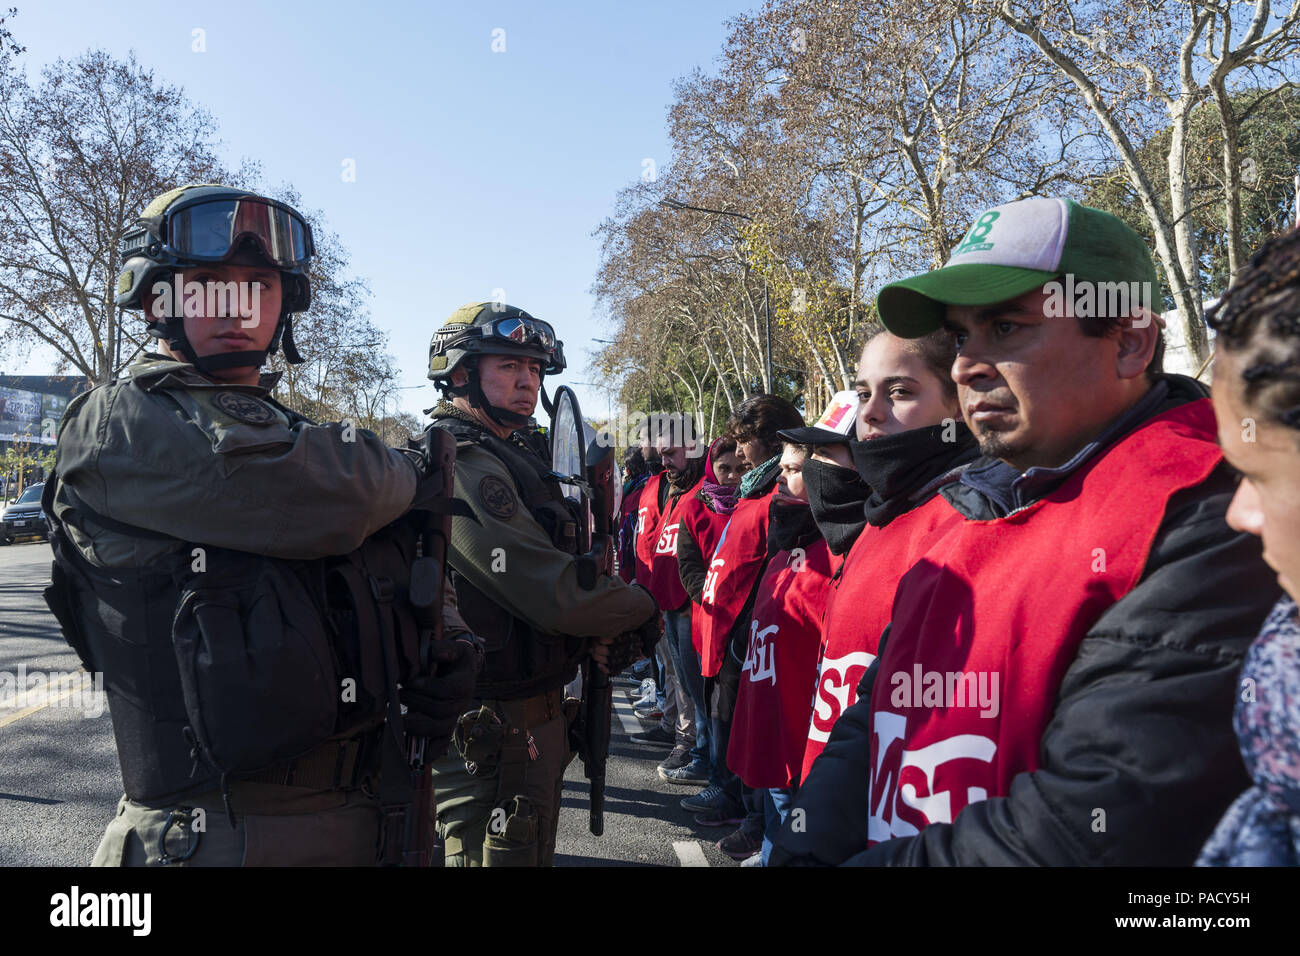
column 837, row 689
column 667, row 543
column 640, row 519
column 906, row 790
column 760, row 660
column 711, row 580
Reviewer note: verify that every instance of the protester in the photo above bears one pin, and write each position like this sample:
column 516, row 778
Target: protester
column 1257, row 404
column 636, row 472
column 910, row 442
column 779, row 669
column 728, row 598
column 657, row 549
column 700, row 519
column 1056, row 679
column 630, row 526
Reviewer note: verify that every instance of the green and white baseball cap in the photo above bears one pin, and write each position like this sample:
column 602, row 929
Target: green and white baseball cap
column 1013, row 248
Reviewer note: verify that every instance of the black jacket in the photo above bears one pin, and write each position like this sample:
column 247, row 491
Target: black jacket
column 692, row 565
column 1139, row 760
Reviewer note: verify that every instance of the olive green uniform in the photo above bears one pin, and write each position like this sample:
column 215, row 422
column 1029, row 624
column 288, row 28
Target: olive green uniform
column 512, row 560
column 166, row 449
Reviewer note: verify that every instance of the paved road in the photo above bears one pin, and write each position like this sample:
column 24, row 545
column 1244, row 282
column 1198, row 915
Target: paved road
column 59, row 779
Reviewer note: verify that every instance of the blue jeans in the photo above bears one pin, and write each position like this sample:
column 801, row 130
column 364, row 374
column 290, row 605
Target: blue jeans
column 776, row 805
column 677, row 629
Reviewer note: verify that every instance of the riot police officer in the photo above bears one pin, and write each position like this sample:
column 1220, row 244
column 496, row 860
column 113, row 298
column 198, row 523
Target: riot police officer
column 514, row 570
column 197, row 525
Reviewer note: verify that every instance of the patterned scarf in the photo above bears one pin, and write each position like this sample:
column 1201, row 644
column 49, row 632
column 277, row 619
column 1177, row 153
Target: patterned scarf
column 719, row 498
column 1262, row 827
column 759, row 480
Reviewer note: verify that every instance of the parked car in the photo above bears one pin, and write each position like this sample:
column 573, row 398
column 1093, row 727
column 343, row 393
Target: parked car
column 24, row 517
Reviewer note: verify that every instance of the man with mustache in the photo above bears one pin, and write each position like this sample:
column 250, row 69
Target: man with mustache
column 1056, row 682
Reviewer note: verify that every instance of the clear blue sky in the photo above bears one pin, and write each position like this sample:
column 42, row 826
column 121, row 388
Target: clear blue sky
column 475, row 170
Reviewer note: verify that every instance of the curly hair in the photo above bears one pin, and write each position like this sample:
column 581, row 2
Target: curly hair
column 1258, row 321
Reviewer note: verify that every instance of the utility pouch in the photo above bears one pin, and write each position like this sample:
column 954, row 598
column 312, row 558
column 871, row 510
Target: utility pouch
column 511, row 834
column 257, row 672
column 478, row 738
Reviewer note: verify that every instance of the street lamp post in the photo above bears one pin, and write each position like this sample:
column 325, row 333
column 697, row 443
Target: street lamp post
column 767, row 312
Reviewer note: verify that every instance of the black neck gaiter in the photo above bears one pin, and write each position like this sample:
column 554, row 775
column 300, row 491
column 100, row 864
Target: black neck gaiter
column 837, row 496
column 897, row 466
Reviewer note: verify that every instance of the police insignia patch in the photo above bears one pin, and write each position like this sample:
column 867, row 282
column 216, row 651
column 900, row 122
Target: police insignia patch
column 244, row 408
column 497, row 497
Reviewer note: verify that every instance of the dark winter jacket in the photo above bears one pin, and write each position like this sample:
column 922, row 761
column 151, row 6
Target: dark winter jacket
column 1142, row 728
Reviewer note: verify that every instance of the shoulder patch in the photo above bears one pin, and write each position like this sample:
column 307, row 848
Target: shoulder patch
column 244, row 408
column 497, row 497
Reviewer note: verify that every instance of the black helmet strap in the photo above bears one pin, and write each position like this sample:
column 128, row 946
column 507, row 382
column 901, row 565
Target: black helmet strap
column 473, row 392
column 172, row 331
column 502, row 416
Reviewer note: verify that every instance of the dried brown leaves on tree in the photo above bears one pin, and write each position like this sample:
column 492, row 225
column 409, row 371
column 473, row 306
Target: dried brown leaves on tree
column 83, row 150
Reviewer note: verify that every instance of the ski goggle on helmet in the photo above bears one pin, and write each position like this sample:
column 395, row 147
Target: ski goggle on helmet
column 520, row 331
column 210, row 228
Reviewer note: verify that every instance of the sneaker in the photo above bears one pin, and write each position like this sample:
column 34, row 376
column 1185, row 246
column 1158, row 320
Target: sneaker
column 649, row 711
column 711, row 799
column 741, row 845
column 645, row 693
column 641, row 669
column 656, row 735
column 694, row 774
column 755, row 860
column 727, row 816
column 679, row 758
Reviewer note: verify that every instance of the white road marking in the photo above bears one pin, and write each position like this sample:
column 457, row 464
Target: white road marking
column 689, row 853
column 626, row 718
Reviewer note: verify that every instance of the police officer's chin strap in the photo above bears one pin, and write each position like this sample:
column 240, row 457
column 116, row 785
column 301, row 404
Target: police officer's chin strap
column 502, row 416
column 172, row 331
column 474, row 392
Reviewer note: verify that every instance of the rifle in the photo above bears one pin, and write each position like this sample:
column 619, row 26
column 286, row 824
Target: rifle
column 428, row 578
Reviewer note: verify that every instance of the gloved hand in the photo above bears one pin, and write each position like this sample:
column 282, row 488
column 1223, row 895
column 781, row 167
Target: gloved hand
column 434, row 703
column 615, row 654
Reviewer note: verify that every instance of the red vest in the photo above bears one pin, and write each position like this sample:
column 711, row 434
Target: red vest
column 705, row 528
column 665, row 581
column 770, row 724
column 732, row 573
column 647, row 527
column 989, row 619
column 857, row 611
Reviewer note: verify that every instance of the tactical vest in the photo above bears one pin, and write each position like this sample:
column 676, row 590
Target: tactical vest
column 521, row 661
column 246, row 668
